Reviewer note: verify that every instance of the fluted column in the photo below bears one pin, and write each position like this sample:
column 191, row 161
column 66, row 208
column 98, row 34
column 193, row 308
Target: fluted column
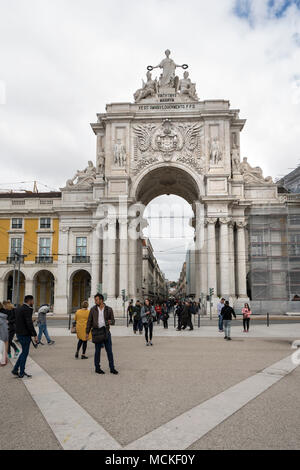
column 123, row 273
column 109, row 260
column 62, row 289
column 211, row 255
column 224, row 257
column 132, row 263
column 241, row 259
column 232, row 290
column 95, row 261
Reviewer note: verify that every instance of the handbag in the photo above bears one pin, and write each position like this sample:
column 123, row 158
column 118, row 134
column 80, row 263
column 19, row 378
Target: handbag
column 73, row 328
column 99, row 335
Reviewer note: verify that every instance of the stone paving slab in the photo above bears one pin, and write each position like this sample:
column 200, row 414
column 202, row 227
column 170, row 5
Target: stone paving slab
column 22, row 426
column 270, row 422
column 155, row 384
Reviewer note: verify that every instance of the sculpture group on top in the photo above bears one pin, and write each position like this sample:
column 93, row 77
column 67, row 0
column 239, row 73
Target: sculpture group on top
column 168, row 80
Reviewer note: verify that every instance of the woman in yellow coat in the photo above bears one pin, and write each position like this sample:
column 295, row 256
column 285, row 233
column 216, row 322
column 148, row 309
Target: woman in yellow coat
column 81, row 318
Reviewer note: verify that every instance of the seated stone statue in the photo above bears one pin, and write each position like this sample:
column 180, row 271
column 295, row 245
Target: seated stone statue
column 253, row 175
column 83, row 177
column 186, row 87
column 149, row 89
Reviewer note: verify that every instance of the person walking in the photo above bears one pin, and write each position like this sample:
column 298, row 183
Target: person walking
column 227, row 314
column 3, row 336
column 148, row 315
column 130, row 310
column 81, row 318
column 178, row 313
column 101, row 317
column 24, row 330
column 42, row 324
column 158, row 311
column 246, row 311
column 187, row 316
column 165, row 316
column 220, row 318
column 137, row 320
column 10, row 312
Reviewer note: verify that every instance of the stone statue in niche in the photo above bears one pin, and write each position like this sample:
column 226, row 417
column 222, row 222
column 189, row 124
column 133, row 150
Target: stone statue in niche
column 119, row 154
column 253, row 175
column 215, row 151
column 235, row 159
column 187, row 88
column 101, row 162
column 84, row 177
column 149, row 89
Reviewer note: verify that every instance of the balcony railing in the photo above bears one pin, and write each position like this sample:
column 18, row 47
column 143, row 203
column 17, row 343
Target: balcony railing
column 15, row 259
column 80, row 259
column 44, row 259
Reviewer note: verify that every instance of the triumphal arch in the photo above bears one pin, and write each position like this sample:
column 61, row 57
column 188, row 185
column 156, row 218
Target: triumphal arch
column 168, row 140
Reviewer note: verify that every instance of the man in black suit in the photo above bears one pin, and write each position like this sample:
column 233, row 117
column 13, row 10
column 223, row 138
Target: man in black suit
column 24, row 331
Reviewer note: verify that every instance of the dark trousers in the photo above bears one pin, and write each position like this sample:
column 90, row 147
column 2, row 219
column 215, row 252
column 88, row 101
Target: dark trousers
column 11, row 344
column 246, row 323
column 25, row 342
column 137, row 325
column 187, row 322
column 108, row 348
column 148, row 329
column 83, row 344
column 179, row 322
column 165, row 323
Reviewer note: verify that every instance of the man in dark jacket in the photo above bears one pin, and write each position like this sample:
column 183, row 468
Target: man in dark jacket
column 227, row 312
column 178, row 313
column 100, row 318
column 24, row 331
column 137, row 321
column 187, row 316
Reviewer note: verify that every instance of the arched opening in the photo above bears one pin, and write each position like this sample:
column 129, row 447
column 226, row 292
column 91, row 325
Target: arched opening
column 12, row 287
column 44, row 288
column 80, row 283
column 169, row 194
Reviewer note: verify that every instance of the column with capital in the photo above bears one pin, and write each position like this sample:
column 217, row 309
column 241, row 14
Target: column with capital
column 95, row 261
column 211, row 255
column 232, row 289
column 224, row 257
column 109, row 260
column 123, row 273
column 241, row 259
column 61, row 288
column 132, row 262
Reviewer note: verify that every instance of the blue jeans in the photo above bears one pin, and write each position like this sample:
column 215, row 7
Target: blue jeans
column 220, row 323
column 227, row 325
column 108, row 348
column 43, row 329
column 21, row 362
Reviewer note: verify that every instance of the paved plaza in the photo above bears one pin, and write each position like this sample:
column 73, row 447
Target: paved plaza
column 191, row 390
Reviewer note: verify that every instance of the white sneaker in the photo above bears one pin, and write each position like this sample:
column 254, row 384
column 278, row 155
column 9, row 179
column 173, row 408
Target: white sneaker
column 148, row 344
column 151, row 344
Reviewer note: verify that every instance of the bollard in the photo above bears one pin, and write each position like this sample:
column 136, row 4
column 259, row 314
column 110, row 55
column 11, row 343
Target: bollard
column 69, row 321
column 268, row 319
column 198, row 320
column 174, row 320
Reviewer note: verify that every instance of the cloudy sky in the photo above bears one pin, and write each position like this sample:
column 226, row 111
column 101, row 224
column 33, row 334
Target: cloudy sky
column 61, row 61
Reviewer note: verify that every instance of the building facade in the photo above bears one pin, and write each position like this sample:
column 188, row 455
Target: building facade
column 166, row 141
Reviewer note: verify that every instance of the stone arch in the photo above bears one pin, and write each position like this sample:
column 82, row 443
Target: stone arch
column 167, row 178
column 44, row 287
column 8, row 285
column 80, row 288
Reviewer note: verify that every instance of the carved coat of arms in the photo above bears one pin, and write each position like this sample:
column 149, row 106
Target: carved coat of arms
column 169, row 141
